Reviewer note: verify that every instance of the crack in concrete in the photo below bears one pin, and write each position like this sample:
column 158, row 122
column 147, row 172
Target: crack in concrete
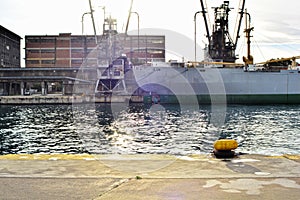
column 114, row 186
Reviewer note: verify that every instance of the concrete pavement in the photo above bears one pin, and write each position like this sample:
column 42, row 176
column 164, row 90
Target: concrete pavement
column 149, row 177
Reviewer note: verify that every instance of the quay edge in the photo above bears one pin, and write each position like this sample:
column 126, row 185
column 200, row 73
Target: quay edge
column 249, row 99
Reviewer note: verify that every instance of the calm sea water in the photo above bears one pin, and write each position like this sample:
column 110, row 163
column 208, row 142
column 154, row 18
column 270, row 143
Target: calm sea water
column 154, row 129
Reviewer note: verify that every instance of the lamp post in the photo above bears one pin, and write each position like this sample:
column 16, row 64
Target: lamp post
column 103, row 7
column 195, row 19
column 138, row 17
column 104, row 13
column 82, row 18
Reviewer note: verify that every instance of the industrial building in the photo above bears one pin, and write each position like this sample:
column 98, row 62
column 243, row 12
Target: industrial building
column 10, row 55
column 67, row 50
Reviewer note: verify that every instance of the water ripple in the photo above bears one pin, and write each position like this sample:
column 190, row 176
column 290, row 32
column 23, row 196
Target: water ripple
column 163, row 129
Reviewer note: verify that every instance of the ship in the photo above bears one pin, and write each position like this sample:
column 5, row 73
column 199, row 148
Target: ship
column 217, row 80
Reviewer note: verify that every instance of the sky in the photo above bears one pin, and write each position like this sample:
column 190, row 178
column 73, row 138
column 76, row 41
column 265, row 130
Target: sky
column 276, row 25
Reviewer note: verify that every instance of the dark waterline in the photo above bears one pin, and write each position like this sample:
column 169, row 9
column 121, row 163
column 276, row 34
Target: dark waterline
column 154, row 129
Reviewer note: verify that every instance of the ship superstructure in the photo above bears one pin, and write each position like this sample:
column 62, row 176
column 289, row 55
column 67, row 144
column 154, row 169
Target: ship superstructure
column 221, row 46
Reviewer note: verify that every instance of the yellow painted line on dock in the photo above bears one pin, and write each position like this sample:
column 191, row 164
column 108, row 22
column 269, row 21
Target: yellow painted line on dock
column 292, row 157
column 86, row 157
column 47, row 157
column 287, row 156
column 122, row 157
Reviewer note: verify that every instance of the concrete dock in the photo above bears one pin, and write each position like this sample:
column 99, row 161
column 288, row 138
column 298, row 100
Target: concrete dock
column 61, row 176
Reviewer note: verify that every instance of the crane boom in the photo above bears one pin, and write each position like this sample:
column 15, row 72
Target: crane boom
column 205, row 21
column 293, row 59
column 128, row 19
column 92, row 16
column 239, row 25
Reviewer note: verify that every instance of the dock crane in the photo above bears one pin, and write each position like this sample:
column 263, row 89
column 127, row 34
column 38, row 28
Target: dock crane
column 221, row 47
column 279, row 60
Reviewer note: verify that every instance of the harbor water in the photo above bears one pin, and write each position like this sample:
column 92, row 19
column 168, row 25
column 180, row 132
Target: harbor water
column 147, row 129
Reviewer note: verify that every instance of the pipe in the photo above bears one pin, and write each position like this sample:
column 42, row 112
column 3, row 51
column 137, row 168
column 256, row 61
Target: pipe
column 195, row 31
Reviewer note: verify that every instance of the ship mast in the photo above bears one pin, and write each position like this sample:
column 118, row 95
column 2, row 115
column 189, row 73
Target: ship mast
column 249, row 59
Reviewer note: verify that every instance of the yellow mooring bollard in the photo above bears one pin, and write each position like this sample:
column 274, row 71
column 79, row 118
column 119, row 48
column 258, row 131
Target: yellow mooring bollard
column 223, row 148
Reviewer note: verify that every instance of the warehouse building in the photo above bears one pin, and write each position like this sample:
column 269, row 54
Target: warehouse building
column 67, row 50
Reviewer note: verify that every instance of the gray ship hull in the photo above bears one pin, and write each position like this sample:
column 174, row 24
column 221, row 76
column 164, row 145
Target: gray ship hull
column 215, row 85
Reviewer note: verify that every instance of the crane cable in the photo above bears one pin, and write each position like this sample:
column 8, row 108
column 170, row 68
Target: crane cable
column 260, row 51
column 236, row 21
column 242, row 47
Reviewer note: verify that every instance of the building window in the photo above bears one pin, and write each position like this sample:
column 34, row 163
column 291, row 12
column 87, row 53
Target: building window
column 47, row 61
column 157, row 41
column 77, row 50
column 77, row 40
column 33, row 62
column 33, row 40
column 155, row 51
column 47, row 40
column 33, row 51
column 47, row 51
column 77, row 61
